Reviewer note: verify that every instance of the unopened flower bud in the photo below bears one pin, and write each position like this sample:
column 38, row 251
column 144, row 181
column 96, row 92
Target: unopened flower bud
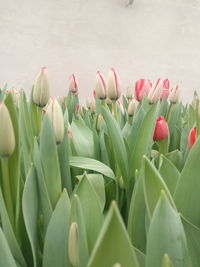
column 155, row 91
column 108, row 101
column 174, row 95
column 90, row 103
column 132, row 107
column 55, row 115
column 113, row 85
column 100, row 86
column 121, row 107
column 41, row 89
column 73, row 84
column 129, row 93
column 161, row 129
column 142, row 87
column 117, row 265
column 7, row 136
column 73, row 245
column 192, row 137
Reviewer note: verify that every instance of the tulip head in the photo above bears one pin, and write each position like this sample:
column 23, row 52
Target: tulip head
column 55, row 114
column 165, row 91
column 113, row 85
column 132, row 107
column 155, row 91
column 73, row 245
column 174, row 94
column 161, row 129
column 192, row 137
column 7, row 136
column 41, row 88
column 129, row 93
column 142, row 87
column 100, row 86
column 73, row 84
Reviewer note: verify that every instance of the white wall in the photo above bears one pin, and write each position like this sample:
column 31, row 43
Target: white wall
column 155, row 38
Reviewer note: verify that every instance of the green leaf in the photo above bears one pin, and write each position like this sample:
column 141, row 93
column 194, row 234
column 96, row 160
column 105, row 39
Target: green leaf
column 193, row 240
column 50, row 163
column 55, row 244
column 6, row 258
column 30, row 212
column 113, row 244
column 91, row 164
column 119, row 147
column 140, row 257
column 166, row 236
column 169, row 173
column 187, row 197
column 90, row 205
column 166, row 262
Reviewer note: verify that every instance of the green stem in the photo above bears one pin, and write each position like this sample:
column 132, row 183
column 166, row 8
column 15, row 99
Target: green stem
column 115, row 110
column 7, row 190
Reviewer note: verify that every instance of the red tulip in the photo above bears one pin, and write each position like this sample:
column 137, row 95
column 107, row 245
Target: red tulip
column 192, row 137
column 161, row 129
column 142, row 88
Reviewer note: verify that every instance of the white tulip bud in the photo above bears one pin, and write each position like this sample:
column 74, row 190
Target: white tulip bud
column 113, row 85
column 73, row 84
column 132, row 107
column 7, row 136
column 41, row 88
column 55, row 114
column 100, row 86
column 117, row 265
column 155, row 91
column 73, row 245
column 129, row 93
column 174, row 95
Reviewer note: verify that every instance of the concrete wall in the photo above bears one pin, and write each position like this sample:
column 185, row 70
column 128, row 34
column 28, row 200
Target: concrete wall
column 153, row 38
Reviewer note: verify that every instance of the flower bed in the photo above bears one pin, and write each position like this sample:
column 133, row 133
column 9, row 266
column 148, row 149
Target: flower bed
column 113, row 184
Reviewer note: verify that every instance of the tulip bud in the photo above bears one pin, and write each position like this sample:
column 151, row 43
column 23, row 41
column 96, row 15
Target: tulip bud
column 73, row 245
column 55, row 115
column 94, row 93
column 129, row 93
column 90, row 103
column 108, row 101
column 165, row 91
column 100, row 86
column 117, row 265
column 161, row 129
column 155, row 91
column 113, row 85
column 121, row 107
column 132, row 107
column 142, row 88
column 7, row 136
column 192, row 137
column 41, row 89
column 73, row 85
column 174, row 95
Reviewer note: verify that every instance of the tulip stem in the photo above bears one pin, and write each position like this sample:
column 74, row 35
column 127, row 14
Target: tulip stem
column 7, row 189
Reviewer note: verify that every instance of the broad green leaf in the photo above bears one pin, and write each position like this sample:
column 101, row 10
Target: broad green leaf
column 49, row 159
column 113, row 244
column 166, row 236
column 193, row 239
column 153, row 185
column 187, row 197
column 55, row 244
column 90, row 204
column 176, row 158
column 119, row 147
column 91, row 164
column 136, row 218
column 82, row 139
column 169, row 173
column 30, row 212
column 6, row 258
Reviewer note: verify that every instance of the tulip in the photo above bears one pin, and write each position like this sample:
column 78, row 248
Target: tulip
column 7, row 136
column 129, row 93
column 73, row 84
column 94, row 93
column 165, row 91
column 132, row 107
column 155, row 91
column 121, row 107
column 161, row 129
column 73, row 245
column 41, row 88
column 192, row 137
column 174, row 95
column 113, row 85
column 90, row 103
column 55, row 114
column 100, row 86
column 142, row 88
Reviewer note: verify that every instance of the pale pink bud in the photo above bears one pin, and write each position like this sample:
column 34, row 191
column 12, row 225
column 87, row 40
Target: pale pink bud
column 132, row 107
column 174, row 94
column 155, row 91
column 165, row 91
column 73, row 84
column 142, row 87
column 113, row 85
column 100, row 86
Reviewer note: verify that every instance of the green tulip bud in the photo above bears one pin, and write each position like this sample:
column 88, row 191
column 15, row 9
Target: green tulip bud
column 7, row 136
column 55, row 114
column 41, row 89
column 73, row 245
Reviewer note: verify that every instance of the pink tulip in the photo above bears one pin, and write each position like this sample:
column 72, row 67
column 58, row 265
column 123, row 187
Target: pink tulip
column 161, row 129
column 142, row 87
column 155, row 91
column 192, row 137
column 113, row 85
column 165, row 91
column 73, row 84
column 100, row 86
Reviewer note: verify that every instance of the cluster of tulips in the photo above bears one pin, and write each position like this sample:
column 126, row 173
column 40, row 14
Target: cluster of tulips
column 114, row 183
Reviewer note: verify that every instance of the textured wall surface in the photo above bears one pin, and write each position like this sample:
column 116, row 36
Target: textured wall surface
column 153, row 38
